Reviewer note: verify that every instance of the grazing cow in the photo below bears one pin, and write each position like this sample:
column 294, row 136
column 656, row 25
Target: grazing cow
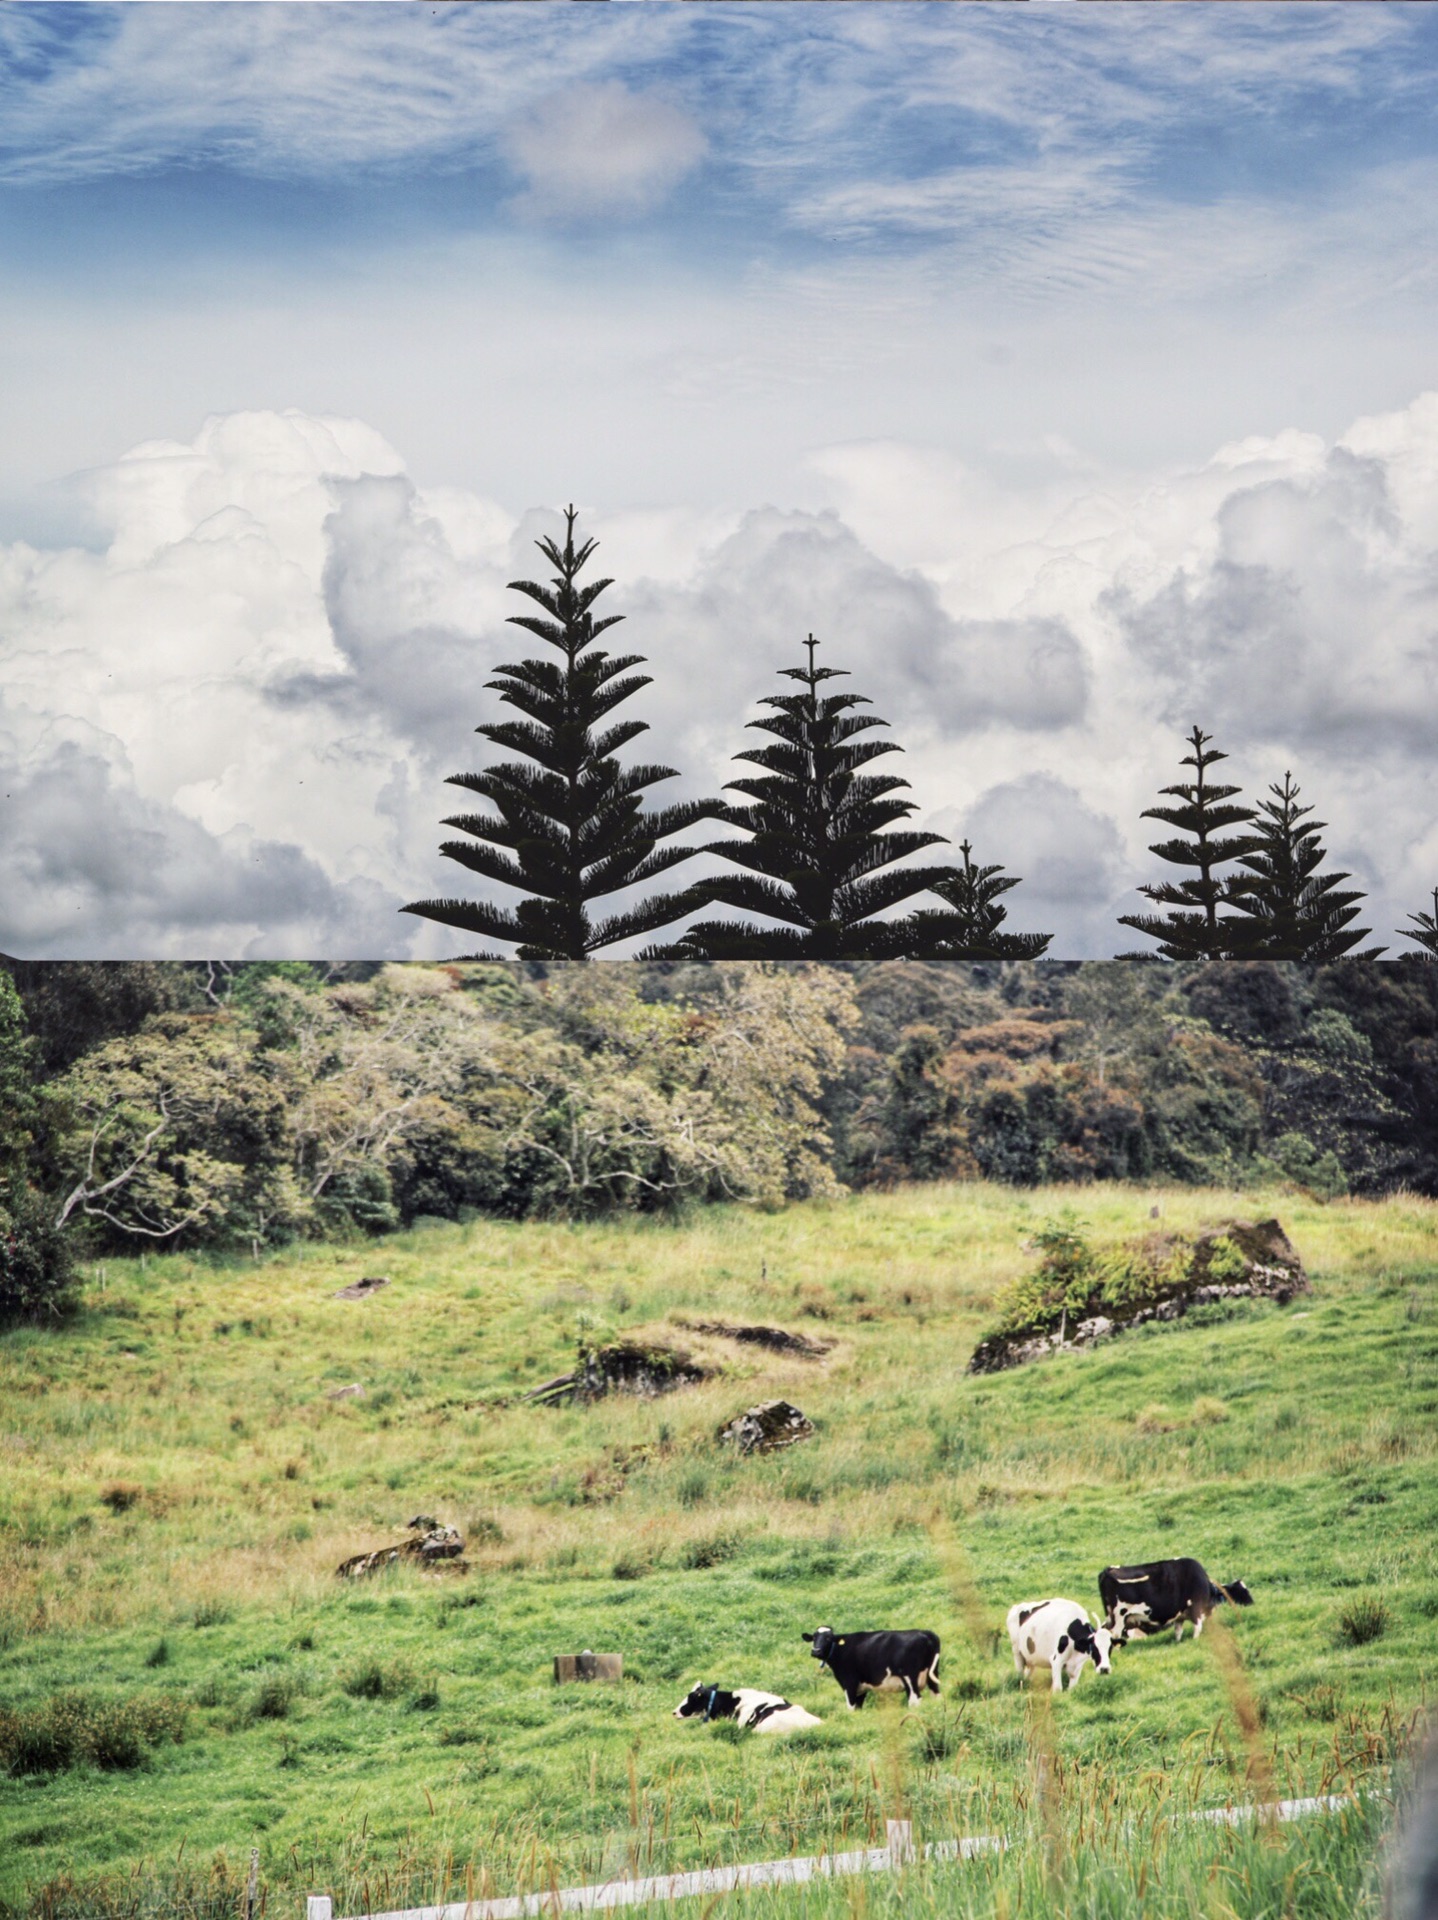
column 1059, row 1635
column 756, row 1712
column 872, row 1662
column 1163, row 1593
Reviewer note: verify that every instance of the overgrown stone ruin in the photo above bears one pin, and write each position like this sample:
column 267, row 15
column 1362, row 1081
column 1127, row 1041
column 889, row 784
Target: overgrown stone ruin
column 645, row 1368
column 1238, row 1260
column 766, row 1428
column 362, row 1289
column 776, row 1339
column 431, row 1543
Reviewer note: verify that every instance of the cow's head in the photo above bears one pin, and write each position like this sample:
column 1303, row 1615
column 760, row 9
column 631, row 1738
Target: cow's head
column 699, row 1703
column 1239, row 1593
column 821, row 1642
column 1096, row 1642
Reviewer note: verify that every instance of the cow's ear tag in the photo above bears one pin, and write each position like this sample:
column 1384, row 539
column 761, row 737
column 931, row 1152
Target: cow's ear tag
column 841, row 1642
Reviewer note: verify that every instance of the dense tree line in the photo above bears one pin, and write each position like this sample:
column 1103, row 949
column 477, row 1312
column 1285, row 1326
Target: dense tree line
column 242, row 1107
column 567, row 827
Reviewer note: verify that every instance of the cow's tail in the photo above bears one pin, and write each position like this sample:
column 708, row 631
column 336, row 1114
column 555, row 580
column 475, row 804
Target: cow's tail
column 933, row 1680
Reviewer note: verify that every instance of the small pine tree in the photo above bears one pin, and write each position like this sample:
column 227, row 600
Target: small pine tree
column 569, row 828
column 817, row 842
column 970, row 928
column 1194, row 930
column 1426, row 925
column 1292, row 912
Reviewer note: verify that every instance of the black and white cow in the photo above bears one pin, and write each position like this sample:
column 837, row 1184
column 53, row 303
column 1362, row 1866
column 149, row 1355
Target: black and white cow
column 902, row 1658
column 1059, row 1635
column 758, row 1712
column 1163, row 1593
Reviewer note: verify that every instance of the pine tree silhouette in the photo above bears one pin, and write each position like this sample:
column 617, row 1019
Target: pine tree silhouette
column 818, row 843
column 1194, row 931
column 1427, row 928
column 570, row 828
column 1291, row 911
column 970, row 928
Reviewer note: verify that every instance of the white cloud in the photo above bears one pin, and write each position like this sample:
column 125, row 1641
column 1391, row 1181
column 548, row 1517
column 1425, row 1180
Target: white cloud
column 254, row 696
column 600, row 149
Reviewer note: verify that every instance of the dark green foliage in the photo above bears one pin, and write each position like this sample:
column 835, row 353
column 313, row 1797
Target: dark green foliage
column 73, row 1729
column 1291, row 910
column 74, row 1006
column 360, row 1196
column 1425, row 932
column 969, row 930
column 569, row 828
column 37, row 1262
column 817, row 844
column 1193, row 930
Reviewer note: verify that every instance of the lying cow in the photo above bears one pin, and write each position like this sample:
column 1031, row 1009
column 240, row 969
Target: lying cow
column 1163, row 1593
column 875, row 1662
column 756, row 1712
column 1059, row 1635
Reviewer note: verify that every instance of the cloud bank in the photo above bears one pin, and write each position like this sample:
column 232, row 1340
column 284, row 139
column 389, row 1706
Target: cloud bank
column 229, row 730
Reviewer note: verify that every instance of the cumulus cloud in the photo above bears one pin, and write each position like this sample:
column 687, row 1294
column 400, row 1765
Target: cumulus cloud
column 600, row 149
column 1314, row 622
column 93, row 869
column 231, row 728
column 1069, row 856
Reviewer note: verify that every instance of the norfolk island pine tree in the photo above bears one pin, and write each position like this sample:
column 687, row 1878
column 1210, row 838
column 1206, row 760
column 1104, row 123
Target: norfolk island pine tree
column 969, row 929
column 1292, row 911
column 1194, row 930
column 571, row 827
column 1425, row 929
column 818, row 849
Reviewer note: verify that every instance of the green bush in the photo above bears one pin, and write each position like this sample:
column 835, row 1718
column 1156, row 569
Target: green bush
column 72, row 1729
column 376, row 1681
column 37, row 1264
column 1363, row 1620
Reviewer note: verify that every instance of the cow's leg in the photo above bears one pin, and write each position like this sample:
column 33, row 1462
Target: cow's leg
column 1020, row 1664
column 1178, row 1630
column 1198, row 1625
column 1056, row 1668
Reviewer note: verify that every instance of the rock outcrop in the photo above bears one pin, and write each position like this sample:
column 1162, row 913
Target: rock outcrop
column 1238, row 1260
column 766, row 1428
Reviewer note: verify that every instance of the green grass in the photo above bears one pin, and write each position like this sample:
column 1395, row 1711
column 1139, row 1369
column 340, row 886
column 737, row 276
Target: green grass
column 398, row 1733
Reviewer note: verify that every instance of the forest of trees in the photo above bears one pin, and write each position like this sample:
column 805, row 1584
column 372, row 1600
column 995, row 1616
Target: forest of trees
column 566, row 827
column 239, row 1108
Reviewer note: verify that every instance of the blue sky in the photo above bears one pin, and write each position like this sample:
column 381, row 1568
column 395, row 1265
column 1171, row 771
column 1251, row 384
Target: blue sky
column 1040, row 320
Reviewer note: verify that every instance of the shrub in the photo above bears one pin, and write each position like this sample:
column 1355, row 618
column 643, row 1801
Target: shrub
column 375, row 1681
column 710, row 1552
column 74, row 1728
column 121, row 1495
column 1363, row 1620
column 37, row 1264
column 274, row 1697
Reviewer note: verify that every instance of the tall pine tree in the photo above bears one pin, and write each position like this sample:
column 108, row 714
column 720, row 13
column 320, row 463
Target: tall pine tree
column 1194, row 929
column 818, row 858
column 1425, row 929
column 969, row 929
column 569, row 827
column 1291, row 910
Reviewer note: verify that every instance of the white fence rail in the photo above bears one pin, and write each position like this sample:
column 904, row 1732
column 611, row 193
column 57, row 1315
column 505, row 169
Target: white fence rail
column 773, row 1873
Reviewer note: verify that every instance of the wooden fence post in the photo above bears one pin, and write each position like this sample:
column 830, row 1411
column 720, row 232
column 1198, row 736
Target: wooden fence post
column 901, row 1842
column 252, row 1885
column 319, row 1907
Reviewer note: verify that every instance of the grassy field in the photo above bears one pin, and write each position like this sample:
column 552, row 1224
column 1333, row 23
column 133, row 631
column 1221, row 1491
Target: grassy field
column 178, row 1486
